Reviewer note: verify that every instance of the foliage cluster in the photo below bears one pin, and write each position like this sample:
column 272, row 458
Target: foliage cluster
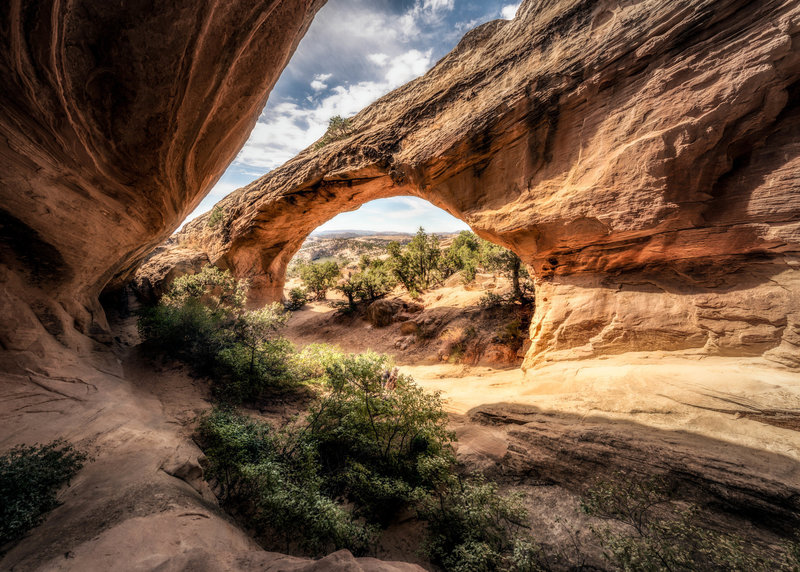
column 203, row 321
column 319, row 277
column 372, row 281
column 373, row 442
column 338, row 128
column 29, row 480
column 216, row 216
column 297, row 299
column 419, row 264
column 657, row 533
column 422, row 263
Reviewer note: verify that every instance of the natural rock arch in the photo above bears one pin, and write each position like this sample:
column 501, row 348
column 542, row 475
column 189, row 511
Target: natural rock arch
column 643, row 158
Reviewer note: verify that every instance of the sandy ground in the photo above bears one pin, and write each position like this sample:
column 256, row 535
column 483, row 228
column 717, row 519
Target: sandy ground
column 746, row 401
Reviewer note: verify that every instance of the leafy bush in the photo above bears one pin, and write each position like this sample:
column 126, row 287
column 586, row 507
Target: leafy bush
column 659, row 534
column 417, row 266
column 338, row 128
column 372, row 429
column 318, row 277
column 372, row 281
column 279, row 492
column 463, row 256
column 29, row 480
column 297, row 299
column 217, row 214
column 373, row 442
column 473, row 527
column 203, row 321
column 497, row 258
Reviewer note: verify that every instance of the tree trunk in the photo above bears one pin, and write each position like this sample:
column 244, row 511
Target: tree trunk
column 515, row 279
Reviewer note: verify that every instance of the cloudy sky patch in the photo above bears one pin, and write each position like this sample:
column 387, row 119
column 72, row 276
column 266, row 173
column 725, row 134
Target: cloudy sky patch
column 354, row 52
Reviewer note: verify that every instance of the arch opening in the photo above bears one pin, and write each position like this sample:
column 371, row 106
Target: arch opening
column 401, row 276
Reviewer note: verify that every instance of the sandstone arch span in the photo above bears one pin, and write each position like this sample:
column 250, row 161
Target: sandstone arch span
column 642, row 157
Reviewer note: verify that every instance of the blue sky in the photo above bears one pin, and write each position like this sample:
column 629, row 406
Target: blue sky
column 354, row 52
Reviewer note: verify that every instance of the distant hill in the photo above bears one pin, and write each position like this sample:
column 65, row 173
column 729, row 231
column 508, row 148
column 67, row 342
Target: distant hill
column 355, row 233
column 371, row 233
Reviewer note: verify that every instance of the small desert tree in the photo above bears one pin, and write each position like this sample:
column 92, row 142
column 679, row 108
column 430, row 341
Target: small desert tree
column 463, row 255
column 338, row 128
column 319, row 277
column 372, row 281
column 417, row 265
column 499, row 259
column 203, row 321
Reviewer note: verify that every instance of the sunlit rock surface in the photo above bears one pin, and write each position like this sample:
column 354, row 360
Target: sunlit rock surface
column 642, row 157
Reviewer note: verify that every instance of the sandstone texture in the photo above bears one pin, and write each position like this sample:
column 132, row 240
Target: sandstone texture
column 116, row 118
column 643, row 158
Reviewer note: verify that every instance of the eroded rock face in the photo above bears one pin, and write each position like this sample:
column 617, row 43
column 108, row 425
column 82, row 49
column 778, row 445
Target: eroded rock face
column 642, row 157
column 116, row 118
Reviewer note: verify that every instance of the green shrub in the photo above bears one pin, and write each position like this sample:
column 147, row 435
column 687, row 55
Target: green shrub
column 373, row 442
column 202, row 320
column 297, row 299
column 658, row 534
column 462, row 256
column 372, row 281
column 417, row 265
column 473, row 527
column 319, row 277
column 217, row 214
column 338, row 128
column 30, row 478
column 371, row 429
column 277, row 491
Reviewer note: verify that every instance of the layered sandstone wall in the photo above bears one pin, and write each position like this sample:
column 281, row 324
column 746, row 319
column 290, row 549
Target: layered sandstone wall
column 116, row 118
column 642, row 157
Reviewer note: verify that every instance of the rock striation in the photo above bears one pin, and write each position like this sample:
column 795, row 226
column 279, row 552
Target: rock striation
column 642, row 157
column 115, row 120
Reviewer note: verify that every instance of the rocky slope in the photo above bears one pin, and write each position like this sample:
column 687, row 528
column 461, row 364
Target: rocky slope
column 642, row 157
column 115, row 120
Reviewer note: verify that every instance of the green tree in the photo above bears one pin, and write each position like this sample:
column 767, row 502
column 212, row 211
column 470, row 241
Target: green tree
column 417, row 264
column 499, row 259
column 463, row 255
column 319, row 277
column 338, row 128
column 252, row 329
column 372, row 281
column 203, row 321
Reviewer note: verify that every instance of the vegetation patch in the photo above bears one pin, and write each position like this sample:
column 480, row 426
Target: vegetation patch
column 216, row 216
column 202, row 320
column 338, row 128
column 30, row 478
column 371, row 446
column 651, row 531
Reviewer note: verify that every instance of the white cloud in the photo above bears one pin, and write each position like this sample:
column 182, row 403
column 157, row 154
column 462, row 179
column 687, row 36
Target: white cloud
column 426, row 12
column 287, row 128
column 379, row 59
column 318, row 84
column 509, row 11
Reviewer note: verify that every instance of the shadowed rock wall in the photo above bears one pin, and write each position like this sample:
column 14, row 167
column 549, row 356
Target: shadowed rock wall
column 116, row 118
column 642, row 157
